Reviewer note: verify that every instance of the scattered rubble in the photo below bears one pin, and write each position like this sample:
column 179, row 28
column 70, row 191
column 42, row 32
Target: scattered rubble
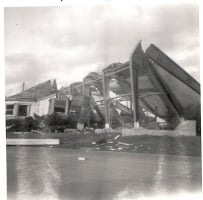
column 104, row 142
column 81, row 158
column 40, row 132
column 101, row 141
column 116, row 137
column 123, row 143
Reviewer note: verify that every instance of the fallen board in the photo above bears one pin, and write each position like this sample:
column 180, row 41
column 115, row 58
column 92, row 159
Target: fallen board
column 32, row 141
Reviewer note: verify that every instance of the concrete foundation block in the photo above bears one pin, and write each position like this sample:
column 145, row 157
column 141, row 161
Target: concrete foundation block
column 80, row 127
column 186, row 128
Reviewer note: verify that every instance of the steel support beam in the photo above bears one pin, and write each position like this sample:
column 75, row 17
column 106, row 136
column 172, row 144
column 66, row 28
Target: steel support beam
column 134, row 88
column 106, row 101
column 136, row 64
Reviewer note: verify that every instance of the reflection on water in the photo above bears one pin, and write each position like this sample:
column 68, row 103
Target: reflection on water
column 158, row 178
column 130, row 195
column 56, row 174
column 39, row 178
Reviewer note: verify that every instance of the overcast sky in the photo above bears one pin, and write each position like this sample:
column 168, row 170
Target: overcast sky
column 67, row 43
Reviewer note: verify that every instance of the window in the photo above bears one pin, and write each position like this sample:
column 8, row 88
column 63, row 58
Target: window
column 60, row 106
column 22, row 110
column 59, row 109
column 9, row 109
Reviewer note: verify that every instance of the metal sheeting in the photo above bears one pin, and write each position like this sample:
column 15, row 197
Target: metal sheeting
column 151, row 82
column 188, row 99
column 181, row 89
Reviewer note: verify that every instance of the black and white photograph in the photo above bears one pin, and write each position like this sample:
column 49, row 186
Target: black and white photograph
column 102, row 101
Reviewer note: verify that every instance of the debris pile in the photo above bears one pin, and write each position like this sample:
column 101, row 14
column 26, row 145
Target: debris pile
column 112, row 144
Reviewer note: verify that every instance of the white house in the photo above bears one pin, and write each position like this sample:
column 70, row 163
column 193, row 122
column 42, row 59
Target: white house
column 40, row 99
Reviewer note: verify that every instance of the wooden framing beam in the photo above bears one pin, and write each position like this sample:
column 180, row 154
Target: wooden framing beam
column 67, row 107
column 92, row 81
column 122, row 95
column 99, row 112
column 123, row 107
column 116, row 71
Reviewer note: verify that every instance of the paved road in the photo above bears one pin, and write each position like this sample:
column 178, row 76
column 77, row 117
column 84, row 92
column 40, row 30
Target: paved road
column 50, row 173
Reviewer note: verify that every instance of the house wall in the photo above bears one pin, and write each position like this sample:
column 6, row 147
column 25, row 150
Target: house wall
column 41, row 107
column 34, row 109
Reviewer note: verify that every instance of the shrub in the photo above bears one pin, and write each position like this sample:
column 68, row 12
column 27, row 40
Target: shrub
column 25, row 124
column 59, row 122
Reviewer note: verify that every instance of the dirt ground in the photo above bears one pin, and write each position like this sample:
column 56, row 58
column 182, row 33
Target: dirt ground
column 182, row 145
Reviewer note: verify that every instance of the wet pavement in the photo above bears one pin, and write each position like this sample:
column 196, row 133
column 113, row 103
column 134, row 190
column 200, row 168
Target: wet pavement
column 40, row 173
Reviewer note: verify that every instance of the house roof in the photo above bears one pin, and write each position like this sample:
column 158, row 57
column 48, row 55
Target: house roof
column 36, row 92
